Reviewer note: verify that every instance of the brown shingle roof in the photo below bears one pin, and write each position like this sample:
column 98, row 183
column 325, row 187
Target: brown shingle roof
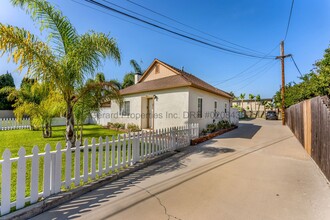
column 181, row 80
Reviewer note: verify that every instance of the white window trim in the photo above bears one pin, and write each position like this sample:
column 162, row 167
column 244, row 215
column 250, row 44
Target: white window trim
column 121, row 109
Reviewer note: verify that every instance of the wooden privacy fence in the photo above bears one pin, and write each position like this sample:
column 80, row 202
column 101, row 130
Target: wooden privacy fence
column 13, row 124
column 310, row 122
column 45, row 173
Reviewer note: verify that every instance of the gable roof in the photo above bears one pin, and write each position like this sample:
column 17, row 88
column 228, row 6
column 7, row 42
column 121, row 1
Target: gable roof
column 182, row 79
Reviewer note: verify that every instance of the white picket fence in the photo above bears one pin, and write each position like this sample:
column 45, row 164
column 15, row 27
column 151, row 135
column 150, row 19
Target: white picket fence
column 96, row 159
column 12, row 124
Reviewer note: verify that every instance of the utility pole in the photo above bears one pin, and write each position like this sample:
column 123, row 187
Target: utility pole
column 282, row 57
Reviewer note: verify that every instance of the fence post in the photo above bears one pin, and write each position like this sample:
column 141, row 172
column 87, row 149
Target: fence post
column 21, row 174
column 93, row 159
column 113, row 156
column 5, row 184
column 0, row 123
column 68, row 155
column 47, row 171
column 107, row 159
column 129, row 148
column 124, row 150
column 77, row 164
column 35, row 175
column 136, row 147
column 85, row 162
column 100, row 166
column 58, row 168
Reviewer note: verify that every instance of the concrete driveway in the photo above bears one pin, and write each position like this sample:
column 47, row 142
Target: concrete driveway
column 258, row 171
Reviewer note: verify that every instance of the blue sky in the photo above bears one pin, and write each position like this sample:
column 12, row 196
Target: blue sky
column 255, row 24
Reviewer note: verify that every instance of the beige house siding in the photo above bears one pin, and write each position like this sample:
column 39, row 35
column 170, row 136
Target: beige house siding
column 135, row 106
column 168, row 108
column 156, row 72
column 247, row 105
column 207, row 108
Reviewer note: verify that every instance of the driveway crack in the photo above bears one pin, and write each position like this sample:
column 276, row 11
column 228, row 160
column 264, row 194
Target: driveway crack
column 169, row 216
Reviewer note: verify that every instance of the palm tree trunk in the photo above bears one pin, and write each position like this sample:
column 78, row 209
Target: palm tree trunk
column 70, row 135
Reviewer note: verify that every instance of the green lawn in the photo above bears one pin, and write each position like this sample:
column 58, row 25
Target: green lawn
column 14, row 139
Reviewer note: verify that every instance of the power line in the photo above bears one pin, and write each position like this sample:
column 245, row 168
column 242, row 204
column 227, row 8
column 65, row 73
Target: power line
column 186, row 41
column 186, row 25
column 249, row 83
column 287, row 27
column 257, row 71
column 173, row 32
column 249, row 67
column 197, row 36
column 296, row 65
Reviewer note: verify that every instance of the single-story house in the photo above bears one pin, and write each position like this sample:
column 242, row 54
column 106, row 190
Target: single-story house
column 165, row 96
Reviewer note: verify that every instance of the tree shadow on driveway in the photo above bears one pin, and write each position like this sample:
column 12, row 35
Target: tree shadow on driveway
column 87, row 202
column 246, row 131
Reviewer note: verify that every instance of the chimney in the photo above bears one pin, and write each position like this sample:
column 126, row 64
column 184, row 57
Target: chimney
column 137, row 77
column 182, row 69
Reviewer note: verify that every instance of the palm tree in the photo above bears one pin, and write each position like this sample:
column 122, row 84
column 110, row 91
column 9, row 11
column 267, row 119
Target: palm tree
column 258, row 99
column 128, row 80
column 129, row 77
column 251, row 97
column 242, row 97
column 96, row 92
column 137, row 68
column 66, row 61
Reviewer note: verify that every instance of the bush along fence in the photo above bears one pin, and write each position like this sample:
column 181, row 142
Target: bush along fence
column 40, row 175
column 13, row 124
column 310, row 122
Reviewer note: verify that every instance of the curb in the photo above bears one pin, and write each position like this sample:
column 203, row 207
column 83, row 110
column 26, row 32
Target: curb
column 62, row 197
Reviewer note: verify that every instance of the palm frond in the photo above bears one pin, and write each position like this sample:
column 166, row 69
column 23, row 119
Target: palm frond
column 92, row 49
column 27, row 51
column 62, row 32
column 136, row 66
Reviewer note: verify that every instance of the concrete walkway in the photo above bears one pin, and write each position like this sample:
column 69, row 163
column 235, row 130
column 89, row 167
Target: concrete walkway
column 258, row 171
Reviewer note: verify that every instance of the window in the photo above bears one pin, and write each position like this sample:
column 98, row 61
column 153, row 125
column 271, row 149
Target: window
column 215, row 110
column 225, row 108
column 125, row 108
column 200, row 108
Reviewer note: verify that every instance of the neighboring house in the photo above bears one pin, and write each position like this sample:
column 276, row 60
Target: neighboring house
column 247, row 104
column 165, row 96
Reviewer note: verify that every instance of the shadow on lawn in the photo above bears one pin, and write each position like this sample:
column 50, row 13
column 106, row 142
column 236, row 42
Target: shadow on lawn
column 87, row 202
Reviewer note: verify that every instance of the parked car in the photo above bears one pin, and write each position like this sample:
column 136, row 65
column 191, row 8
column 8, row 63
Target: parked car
column 271, row 115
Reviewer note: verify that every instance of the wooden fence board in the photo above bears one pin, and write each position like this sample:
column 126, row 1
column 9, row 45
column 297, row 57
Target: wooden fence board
column 310, row 123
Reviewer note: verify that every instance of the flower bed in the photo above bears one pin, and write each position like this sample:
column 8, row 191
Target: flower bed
column 211, row 135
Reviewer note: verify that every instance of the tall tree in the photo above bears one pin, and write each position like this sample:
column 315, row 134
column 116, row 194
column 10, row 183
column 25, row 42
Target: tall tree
column 97, row 91
column 242, row 97
column 233, row 95
column 128, row 80
column 6, row 80
column 66, row 61
column 251, row 97
column 37, row 100
column 315, row 83
column 258, row 99
column 136, row 66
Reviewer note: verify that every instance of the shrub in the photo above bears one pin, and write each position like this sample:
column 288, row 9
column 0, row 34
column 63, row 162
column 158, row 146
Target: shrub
column 211, row 128
column 133, row 127
column 111, row 125
column 116, row 126
column 204, row 131
column 223, row 124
